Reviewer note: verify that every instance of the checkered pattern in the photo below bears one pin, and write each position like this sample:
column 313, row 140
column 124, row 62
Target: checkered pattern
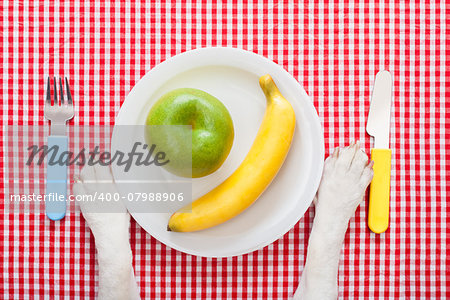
column 333, row 49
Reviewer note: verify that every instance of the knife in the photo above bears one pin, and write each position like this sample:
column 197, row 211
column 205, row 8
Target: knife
column 378, row 124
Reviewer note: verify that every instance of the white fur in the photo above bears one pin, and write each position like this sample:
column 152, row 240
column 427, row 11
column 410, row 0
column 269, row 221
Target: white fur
column 345, row 178
column 111, row 233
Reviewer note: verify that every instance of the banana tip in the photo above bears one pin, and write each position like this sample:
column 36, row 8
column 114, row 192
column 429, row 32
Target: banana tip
column 168, row 228
column 268, row 86
column 264, row 80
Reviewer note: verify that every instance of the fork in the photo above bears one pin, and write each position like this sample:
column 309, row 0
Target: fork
column 58, row 114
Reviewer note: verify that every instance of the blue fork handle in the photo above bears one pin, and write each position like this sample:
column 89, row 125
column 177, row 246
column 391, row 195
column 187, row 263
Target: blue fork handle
column 55, row 202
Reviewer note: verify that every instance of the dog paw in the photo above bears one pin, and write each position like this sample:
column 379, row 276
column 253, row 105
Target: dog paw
column 345, row 178
column 96, row 194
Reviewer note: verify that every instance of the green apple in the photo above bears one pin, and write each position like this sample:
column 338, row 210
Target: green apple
column 196, row 150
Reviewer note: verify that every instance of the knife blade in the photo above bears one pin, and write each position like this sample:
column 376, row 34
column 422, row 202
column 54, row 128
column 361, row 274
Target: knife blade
column 378, row 125
column 378, row 121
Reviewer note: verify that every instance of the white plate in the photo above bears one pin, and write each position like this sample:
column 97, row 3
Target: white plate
column 232, row 75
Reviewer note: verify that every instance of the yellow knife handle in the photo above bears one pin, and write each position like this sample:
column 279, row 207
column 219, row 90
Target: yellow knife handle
column 379, row 191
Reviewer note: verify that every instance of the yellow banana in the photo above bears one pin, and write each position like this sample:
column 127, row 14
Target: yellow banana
column 256, row 172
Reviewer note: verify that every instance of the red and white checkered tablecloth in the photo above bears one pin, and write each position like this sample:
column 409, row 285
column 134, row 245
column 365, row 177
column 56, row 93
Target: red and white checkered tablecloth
column 334, row 49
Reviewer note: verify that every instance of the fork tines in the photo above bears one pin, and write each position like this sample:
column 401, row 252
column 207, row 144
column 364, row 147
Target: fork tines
column 61, row 92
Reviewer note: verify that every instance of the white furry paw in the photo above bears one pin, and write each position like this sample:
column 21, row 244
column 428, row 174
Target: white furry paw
column 109, row 222
column 96, row 191
column 345, row 178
